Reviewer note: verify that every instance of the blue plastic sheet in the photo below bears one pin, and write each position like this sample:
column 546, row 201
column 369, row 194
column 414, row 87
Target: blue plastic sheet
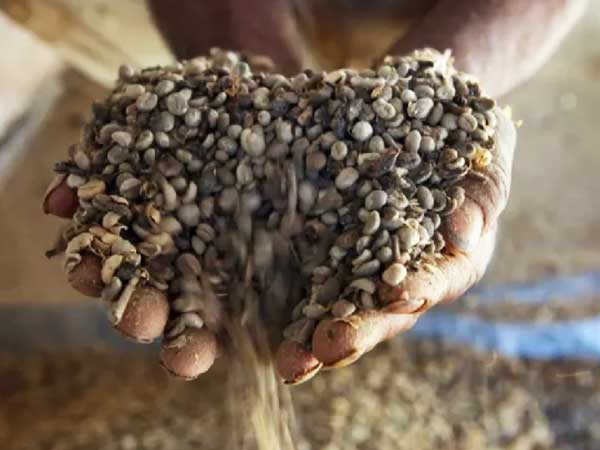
column 25, row 328
column 563, row 339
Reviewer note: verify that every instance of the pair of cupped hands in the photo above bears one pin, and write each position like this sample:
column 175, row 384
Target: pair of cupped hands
column 469, row 232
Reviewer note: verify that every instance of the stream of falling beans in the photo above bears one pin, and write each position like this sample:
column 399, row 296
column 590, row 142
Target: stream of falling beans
column 260, row 406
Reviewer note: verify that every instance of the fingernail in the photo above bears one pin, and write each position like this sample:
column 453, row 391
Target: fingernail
column 307, row 375
column 464, row 227
column 295, row 364
column 345, row 361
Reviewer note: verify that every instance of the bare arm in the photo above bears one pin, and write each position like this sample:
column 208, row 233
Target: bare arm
column 265, row 27
column 503, row 42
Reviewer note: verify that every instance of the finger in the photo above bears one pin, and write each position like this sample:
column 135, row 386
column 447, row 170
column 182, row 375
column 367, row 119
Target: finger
column 190, row 354
column 294, row 363
column 486, row 192
column 85, row 277
column 339, row 342
column 146, row 315
column 443, row 281
column 529, row 33
column 60, row 200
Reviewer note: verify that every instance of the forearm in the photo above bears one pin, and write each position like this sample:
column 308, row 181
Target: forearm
column 502, row 42
column 266, row 27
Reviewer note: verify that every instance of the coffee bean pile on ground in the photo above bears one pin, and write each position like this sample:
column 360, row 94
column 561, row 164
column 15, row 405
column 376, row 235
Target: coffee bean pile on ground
column 319, row 193
column 407, row 395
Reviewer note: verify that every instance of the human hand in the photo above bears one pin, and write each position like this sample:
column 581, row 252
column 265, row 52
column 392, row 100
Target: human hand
column 470, row 234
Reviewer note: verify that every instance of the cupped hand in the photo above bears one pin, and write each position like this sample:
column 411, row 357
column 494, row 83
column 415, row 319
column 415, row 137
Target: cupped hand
column 470, row 234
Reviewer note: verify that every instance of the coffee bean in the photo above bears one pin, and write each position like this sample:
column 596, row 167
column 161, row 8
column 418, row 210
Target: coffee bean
column 307, row 196
column 413, row 141
column 427, row 144
column 367, row 269
column 346, row 178
column 422, row 90
column 253, row 141
column 189, row 214
column 314, row 311
column 177, row 104
column 133, row 90
column 343, row 308
column 122, row 138
column 339, row 151
column 408, row 96
column 147, row 101
column 376, row 199
column 425, row 197
column 449, row 121
column 421, row 108
column 384, row 255
column 164, row 87
column 260, row 98
column 409, row 237
column 117, row 154
column 467, row 122
column 384, row 109
column 315, row 161
column 361, row 131
column 372, row 223
column 394, row 274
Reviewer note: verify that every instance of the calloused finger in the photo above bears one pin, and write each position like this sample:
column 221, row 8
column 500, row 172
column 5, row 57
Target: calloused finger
column 190, row 354
column 294, row 363
column 145, row 316
column 486, row 190
column 60, row 200
column 443, row 281
column 86, row 276
column 147, row 312
column 339, row 342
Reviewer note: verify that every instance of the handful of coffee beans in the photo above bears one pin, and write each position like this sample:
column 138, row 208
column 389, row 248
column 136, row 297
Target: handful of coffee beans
column 213, row 179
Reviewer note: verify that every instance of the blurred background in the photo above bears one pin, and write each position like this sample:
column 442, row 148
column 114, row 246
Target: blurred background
column 512, row 365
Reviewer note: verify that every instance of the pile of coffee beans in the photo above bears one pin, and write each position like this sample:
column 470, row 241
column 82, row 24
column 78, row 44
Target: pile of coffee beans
column 317, row 190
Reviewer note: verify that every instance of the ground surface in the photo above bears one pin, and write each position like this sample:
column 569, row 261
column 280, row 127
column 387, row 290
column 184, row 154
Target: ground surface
column 408, row 395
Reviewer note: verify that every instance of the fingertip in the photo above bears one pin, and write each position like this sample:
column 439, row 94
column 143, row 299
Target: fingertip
column 146, row 315
column 60, row 200
column 190, row 354
column 85, row 276
column 337, row 342
column 294, row 363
